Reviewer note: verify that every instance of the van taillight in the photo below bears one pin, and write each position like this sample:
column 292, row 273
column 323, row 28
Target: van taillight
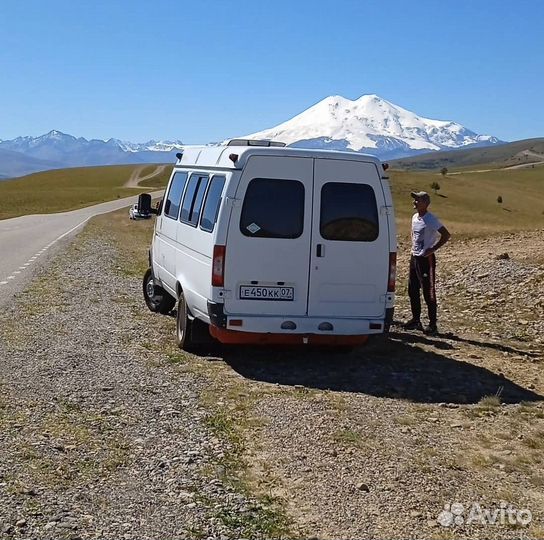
column 218, row 266
column 392, row 272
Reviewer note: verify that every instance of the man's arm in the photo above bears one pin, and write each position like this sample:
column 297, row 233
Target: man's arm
column 444, row 237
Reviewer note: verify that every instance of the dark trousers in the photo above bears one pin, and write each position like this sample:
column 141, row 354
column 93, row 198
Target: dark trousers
column 422, row 276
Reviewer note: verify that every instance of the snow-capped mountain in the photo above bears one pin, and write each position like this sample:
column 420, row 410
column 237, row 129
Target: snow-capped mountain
column 57, row 150
column 65, row 142
column 369, row 124
column 149, row 146
column 373, row 125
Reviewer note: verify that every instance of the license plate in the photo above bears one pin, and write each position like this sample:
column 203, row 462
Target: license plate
column 281, row 294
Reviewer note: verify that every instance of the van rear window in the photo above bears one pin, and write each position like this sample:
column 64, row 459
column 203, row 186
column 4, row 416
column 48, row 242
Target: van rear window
column 173, row 200
column 348, row 212
column 273, row 208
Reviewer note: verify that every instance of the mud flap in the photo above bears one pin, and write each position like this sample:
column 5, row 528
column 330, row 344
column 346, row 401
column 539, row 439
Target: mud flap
column 389, row 312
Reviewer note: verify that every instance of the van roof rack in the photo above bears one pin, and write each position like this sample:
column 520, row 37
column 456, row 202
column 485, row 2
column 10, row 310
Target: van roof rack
column 254, row 142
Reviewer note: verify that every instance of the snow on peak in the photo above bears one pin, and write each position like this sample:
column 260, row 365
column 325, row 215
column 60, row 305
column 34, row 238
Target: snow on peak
column 54, row 135
column 153, row 146
column 370, row 122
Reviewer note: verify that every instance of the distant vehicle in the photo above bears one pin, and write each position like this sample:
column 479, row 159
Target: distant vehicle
column 259, row 244
column 135, row 212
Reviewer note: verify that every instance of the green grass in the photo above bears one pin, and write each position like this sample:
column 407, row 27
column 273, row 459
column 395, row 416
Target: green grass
column 348, row 437
column 266, row 518
column 67, row 189
column 259, row 521
column 467, row 202
column 89, row 445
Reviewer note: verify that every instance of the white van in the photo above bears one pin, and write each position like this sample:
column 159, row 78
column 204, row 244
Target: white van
column 257, row 243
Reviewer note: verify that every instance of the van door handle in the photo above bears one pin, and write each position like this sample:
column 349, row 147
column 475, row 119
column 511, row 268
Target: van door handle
column 320, row 250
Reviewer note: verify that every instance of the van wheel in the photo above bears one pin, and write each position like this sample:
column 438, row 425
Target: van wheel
column 183, row 325
column 156, row 298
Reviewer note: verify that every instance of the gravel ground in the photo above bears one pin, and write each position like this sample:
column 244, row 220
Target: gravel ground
column 378, row 443
column 100, row 435
column 107, row 432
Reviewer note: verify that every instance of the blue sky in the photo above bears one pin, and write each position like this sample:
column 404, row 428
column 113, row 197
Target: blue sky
column 201, row 71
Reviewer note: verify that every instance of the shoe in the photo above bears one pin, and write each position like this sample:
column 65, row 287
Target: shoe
column 431, row 330
column 413, row 324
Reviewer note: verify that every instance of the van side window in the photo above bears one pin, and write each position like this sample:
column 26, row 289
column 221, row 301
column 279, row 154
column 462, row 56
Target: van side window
column 212, row 203
column 273, row 208
column 192, row 201
column 348, row 212
column 173, row 200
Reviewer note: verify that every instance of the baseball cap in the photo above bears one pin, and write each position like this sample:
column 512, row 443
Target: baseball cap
column 423, row 195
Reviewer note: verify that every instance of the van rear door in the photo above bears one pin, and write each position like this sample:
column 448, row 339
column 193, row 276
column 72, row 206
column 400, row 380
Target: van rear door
column 268, row 239
column 350, row 241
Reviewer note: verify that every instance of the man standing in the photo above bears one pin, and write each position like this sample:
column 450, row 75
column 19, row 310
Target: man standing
column 428, row 235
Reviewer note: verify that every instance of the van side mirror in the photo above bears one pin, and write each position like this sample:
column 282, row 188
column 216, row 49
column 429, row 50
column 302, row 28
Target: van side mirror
column 144, row 204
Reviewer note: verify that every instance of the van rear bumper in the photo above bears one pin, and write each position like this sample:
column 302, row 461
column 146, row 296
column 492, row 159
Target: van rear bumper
column 232, row 337
column 230, row 328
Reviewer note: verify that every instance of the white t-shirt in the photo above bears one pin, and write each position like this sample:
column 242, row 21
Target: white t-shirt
column 424, row 232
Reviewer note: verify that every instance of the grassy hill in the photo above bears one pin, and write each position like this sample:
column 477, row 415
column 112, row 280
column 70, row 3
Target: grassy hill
column 467, row 201
column 504, row 155
column 67, row 189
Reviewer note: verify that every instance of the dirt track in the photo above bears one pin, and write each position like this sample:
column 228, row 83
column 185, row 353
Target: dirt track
column 538, row 160
column 135, row 178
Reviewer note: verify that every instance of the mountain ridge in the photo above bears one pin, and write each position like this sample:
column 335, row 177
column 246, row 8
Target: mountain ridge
column 56, row 149
column 15, row 164
column 371, row 124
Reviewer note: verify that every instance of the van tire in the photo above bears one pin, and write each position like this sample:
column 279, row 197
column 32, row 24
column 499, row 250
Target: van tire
column 156, row 298
column 183, row 325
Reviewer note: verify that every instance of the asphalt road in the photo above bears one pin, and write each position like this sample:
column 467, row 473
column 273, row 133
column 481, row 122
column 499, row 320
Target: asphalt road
column 26, row 242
